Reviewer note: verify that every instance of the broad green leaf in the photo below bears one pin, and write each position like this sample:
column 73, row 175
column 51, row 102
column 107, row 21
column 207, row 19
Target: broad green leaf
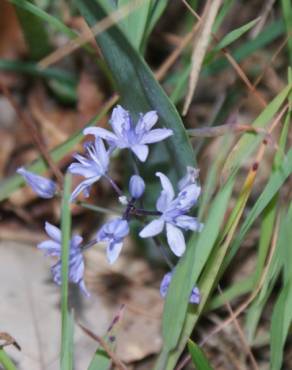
column 137, row 86
column 67, row 318
column 8, row 186
column 5, row 361
column 234, row 35
column 198, row 356
column 190, row 267
column 248, row 142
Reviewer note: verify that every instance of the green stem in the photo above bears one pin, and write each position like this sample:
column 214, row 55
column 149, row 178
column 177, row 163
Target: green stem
column 5, row 361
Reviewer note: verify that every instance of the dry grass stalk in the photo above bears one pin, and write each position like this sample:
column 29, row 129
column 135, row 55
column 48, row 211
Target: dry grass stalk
column 200, row 48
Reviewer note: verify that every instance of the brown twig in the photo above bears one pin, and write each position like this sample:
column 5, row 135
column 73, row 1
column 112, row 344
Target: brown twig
column 28, row 124
column 224, row 129
column 105, row 346
column 8, row 341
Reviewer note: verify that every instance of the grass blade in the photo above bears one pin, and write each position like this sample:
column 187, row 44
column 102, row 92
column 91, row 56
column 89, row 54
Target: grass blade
column 67, row 319
column 35, row 34
column 198, row 356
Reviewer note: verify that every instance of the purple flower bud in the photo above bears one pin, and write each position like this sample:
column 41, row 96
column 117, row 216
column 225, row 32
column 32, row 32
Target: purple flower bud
column 195, row 295
column 137, row 186
column 45, row 188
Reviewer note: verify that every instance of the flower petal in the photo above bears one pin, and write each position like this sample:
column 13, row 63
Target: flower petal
column 80, row 169
column 76, row 241
column 100, row 132
column 195, row 296
column 188, row 223
column 156, row 135
column 175, row 239
column 189, row 178
column 146, row 122
column 113, row 251
column 141, row 151
column 120, row 120
column 84, row 187
column 188, row 197
column 165, row 284
column 53, row 232
column 155, row 227
column 101, row 153
column 50, row 247
column 166, row 186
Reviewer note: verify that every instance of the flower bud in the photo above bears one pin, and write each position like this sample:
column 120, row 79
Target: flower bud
column 45, row 188
column 137, row 186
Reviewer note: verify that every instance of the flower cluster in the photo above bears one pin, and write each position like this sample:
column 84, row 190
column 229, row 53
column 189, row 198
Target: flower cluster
column 172, row 208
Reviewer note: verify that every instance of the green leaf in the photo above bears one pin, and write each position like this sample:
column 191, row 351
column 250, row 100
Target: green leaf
column 137, row 86
column 100, row 361
column 35, row 34
column 134, row 26
column 282, row 313
column 275, row 182
column 67, row 318
column 248, row 142
column 198, row 356
column 189, row 268
column 234, row 35
column 5, row 361
column 287, row 13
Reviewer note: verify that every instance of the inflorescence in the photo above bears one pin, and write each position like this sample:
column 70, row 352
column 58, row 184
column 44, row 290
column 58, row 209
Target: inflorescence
column 172, row 210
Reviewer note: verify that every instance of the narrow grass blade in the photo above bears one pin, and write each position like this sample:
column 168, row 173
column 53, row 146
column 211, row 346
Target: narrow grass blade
column 8, row 186
column 143, row 93
column 248, row 142
column 275, row 182
column 5, row 361
column 287, row 13
column 234, row 35
column 35, row 34
column 199, row 358
column 67, row 319
column 100, row 361
column 282, row 313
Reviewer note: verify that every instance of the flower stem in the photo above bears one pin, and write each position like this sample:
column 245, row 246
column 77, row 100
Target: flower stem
column 114, row 185
column 144, row 212
column 162, row 251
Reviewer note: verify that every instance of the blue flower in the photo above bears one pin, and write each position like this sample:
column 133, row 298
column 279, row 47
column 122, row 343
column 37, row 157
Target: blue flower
column 45, row 188
column 136, row 186
column 173, row 214
column 195, row 295
column 52, row 247
column 91, row 167
column 127, row 135
column 113, row 233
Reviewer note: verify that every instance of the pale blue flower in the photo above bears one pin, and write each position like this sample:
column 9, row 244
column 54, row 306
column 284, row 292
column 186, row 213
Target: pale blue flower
column 113, row 233
column 136, row 186
column 195, row 295
column 52, row 247
column 127, row 135
column 44, row 188
column 190, row 178
column 173, row 214
column 92, row 167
